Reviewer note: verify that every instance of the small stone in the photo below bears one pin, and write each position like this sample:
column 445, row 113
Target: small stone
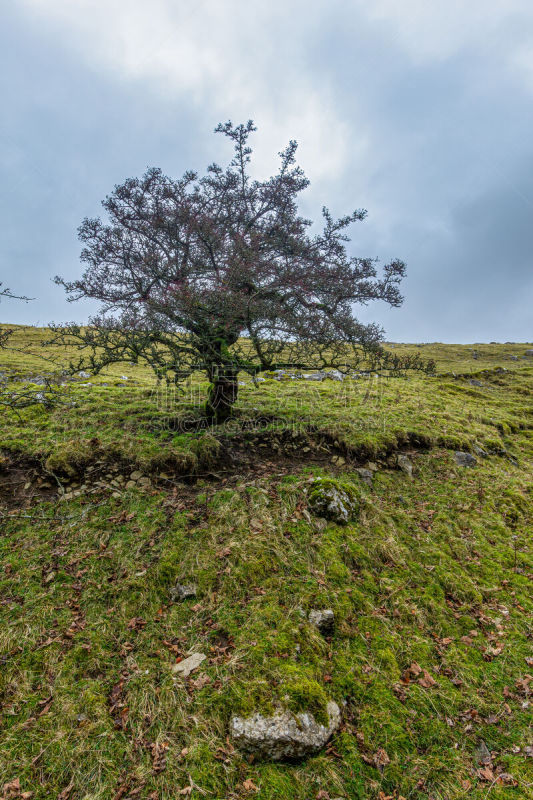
column 131, row 485
column 181, row 591
column 479, row 451
column 284, row 735
column 323, row 619
column 188, row 665
column 482, row 754
column 338, row 460
column 144, row 482
column 366, row 475
column 475, row 382
column 405, row 464
column 465, row 459
column 372, row 466
column 136, row 475
column 529, row 353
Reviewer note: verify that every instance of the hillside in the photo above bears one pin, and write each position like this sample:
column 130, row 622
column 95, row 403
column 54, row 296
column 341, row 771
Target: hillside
column 117, row 498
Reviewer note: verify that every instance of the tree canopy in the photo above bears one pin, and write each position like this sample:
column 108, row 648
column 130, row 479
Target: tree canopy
column 221, row 274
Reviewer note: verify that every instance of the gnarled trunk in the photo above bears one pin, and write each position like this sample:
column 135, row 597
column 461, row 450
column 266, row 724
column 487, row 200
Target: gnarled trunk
column 222, row 394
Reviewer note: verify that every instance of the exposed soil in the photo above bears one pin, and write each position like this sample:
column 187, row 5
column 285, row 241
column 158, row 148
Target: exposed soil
column 244, row 457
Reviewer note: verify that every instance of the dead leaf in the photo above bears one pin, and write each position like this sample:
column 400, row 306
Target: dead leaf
column 486, row 774
column 381, row 759
column 201, row 681
column 249, row 786
column 427, row 681
column 137, row 623
column 65, row 793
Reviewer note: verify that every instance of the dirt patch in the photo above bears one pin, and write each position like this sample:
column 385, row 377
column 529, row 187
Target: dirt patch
column 246, row 456
column 23, row 483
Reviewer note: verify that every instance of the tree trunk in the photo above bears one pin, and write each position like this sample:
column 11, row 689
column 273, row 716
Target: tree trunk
column 222, row 394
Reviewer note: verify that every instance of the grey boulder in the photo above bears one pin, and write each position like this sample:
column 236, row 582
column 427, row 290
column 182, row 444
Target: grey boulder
column 405, row 464
column 366, row 475
column 331, row 502
column 284, row 735
column 335, row 375
column 323, row 619
column 465, row 459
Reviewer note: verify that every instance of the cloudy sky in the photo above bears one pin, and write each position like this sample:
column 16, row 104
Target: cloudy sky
column 419, row 111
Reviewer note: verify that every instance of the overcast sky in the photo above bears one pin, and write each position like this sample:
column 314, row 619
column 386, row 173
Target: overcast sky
column 420, row 111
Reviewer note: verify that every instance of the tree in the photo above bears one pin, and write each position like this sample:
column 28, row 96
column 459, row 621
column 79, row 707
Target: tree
column 221, row 274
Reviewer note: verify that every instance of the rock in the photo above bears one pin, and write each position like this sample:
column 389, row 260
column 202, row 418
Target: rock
column 284, row 735
column 131, row 485
column 181, row 591
column 372, row 466
column 366, row 475
column 188, row 665
column 323, row 619
column 479, row 451
column 465, row 459
column 475, row 382
column 482, row 754
column 513, row 358
column 338, row 460
column 144, row 482
column 83, row 374
column 529, row 353
column 136, row 475
column 328, row 499
column 335, row 375
column 316, row 376
column 404, row 464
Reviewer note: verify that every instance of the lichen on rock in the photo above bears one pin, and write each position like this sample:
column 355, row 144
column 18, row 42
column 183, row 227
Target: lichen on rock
column 333, row 499
column 284, row 735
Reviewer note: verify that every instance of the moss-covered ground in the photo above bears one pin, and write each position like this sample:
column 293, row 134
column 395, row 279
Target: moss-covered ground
column 431, row 585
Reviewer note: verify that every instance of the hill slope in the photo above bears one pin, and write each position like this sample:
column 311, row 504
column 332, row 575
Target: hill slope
column 109, row 502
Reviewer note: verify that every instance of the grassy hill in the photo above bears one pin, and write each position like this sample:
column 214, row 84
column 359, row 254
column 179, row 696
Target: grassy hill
column 111, row 499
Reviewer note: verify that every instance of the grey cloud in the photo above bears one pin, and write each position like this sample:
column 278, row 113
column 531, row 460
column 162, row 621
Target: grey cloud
column 436, row 148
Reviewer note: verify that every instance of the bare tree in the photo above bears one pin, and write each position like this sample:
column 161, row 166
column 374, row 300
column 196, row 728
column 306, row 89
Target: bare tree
column 27, row 395
column 221, row 274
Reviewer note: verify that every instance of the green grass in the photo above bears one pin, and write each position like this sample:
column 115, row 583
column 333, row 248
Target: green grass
column 433, row 574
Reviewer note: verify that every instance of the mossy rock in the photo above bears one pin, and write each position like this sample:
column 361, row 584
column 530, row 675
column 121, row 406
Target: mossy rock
column 333, row 499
